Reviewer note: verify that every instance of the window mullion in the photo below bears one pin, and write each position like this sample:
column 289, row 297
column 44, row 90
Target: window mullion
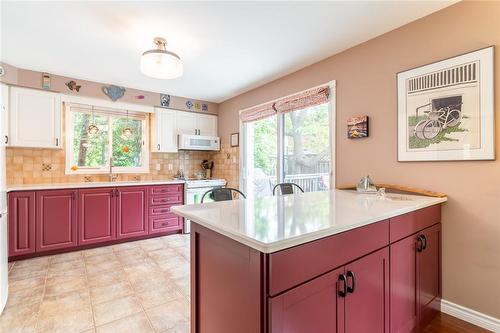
column 280, row 148
column 110, row 140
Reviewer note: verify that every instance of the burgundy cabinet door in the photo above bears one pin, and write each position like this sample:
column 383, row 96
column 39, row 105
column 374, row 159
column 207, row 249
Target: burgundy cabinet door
column 403, row 289
column 56, row 220
column 131, row 212
column 312, row 307
column 21, row 223
column 428, row 268
column 96, row 215
column 367, row 300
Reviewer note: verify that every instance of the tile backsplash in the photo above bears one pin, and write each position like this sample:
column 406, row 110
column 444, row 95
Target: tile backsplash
column 227, row 165
column 36, row 166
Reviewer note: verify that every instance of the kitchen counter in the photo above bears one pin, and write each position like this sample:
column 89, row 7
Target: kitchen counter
column 53, row 186
column 271, row 224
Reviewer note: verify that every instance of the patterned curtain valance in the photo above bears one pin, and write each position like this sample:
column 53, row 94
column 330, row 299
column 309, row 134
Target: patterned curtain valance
column 302, row 100
column 258, row 112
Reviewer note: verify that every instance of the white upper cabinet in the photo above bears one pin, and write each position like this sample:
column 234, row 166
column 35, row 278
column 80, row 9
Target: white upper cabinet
column 187, row 123
column 196, row 123
column 207, row 124
column 164, row 131
column 4, row 120
column 35, row 118
column 168, row 124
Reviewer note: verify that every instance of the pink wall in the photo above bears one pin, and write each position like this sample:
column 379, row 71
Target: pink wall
column 33, row 79
column 366, row 84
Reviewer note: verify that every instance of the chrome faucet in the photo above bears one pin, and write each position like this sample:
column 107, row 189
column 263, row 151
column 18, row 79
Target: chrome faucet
column 112, row 177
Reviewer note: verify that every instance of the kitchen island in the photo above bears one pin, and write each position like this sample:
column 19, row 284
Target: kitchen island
column 319, row 262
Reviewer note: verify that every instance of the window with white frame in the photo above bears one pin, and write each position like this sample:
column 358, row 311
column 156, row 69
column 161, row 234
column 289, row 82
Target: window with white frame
column 288, row 141
column 95, row 138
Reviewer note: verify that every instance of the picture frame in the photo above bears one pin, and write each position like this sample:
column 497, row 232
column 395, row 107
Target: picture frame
column 446, row 109
column 234, row 139
column 358, row 127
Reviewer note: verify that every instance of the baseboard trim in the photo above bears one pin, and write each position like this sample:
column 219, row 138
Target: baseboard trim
column 471, row 316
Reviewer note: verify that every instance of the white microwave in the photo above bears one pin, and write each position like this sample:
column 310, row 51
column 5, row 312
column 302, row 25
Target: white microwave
column 198, row 142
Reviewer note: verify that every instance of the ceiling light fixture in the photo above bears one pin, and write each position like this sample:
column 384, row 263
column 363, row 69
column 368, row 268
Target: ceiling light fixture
column 160, row 63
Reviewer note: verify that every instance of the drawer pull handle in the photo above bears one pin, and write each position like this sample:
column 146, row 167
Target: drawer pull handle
column 350, row 289
column 420, row 244
column 343, row 280
column 424, row 239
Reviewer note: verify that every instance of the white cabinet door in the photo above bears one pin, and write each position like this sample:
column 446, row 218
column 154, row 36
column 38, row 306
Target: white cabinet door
column 35, row 118
column 206, row 124
column 4, row 108
column 186, row 123
column 165, row 131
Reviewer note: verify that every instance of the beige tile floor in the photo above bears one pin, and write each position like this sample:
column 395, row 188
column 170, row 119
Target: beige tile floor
column 135, row 287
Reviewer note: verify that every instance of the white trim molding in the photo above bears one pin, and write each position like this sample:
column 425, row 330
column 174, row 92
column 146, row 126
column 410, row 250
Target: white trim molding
column 471, row 316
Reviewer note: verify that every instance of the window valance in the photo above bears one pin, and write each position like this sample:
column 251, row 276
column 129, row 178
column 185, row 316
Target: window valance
column 298, row 101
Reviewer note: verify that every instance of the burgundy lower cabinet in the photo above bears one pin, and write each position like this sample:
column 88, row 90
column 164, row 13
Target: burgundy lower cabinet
column 415, row 280
column 21, row 223
column 353, row 298
column 161, row 199
column 96, row 215
column 429, row 274
column 63, row 220
column 383, row 277
column 315, row 306
column 56, row 219
column 131, row 212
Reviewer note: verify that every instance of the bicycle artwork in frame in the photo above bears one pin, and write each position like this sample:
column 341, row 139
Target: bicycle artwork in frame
column 445, row 109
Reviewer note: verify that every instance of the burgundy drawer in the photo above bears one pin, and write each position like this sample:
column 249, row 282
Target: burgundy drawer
column 160, row 210
column 293, row 266
column 166, row 199
column 165, row 223
column 407, row 224
column 163, row 189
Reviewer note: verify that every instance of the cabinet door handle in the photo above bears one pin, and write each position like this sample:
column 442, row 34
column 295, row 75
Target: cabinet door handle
column 424, row 239
column 117, row 193
column 158, row 146
column 6, row 139
column 57, row 142
column 73, row 195
column 350, row 289
column 343, row 280
column 420, row 244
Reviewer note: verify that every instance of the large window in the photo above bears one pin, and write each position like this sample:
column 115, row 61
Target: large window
column 291, row 147
column 97, row 138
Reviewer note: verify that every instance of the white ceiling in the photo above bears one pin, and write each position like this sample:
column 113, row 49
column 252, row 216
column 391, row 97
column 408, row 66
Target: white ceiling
column 227, row 47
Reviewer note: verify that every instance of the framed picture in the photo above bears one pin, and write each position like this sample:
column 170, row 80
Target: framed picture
column 235, row 139
column 445, row 109
column 357, row 127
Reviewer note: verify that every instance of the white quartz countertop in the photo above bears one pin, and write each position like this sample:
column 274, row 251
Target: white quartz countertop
column 53, row 186
column 270, row 224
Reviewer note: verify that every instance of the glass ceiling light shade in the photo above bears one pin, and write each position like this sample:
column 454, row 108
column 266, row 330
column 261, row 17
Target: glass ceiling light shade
column 160, row 63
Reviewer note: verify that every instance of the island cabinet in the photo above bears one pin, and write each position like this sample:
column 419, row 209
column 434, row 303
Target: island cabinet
column 415, row 274
column 353, row 298
column 378, row 278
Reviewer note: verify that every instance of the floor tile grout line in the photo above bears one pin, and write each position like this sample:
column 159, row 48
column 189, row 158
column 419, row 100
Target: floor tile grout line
column 88, row 292
column 43, row 296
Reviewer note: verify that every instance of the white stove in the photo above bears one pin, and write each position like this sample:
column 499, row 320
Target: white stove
column 197, row 183
column 193, row 192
